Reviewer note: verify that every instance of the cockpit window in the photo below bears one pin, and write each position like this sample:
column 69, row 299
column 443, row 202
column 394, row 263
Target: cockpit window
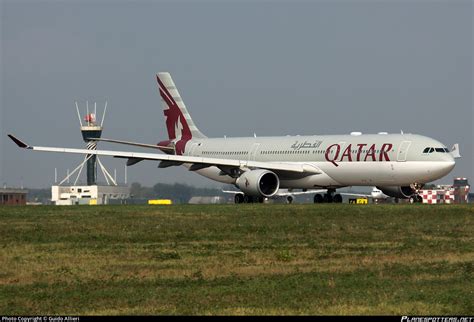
column 431, row 150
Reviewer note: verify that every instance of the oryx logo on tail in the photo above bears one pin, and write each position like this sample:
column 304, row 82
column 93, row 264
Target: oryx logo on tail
column 178, row 129
column 179, row 124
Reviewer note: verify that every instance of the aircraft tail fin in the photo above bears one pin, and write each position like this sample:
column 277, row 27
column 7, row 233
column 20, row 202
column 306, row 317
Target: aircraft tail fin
column 179, row 124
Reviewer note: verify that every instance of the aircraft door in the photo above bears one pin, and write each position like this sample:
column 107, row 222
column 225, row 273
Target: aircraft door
column 403, row 150
column 253, row 151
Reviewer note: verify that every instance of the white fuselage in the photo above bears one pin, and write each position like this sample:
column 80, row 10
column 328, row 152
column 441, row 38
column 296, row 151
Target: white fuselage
column 345, row 160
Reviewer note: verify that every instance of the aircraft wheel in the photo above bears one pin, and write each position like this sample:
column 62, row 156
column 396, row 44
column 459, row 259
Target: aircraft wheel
column 412, row 199
column 328, row 198
column 318, row 198
column 337, row 198
column 289, row 199
column 248, row 199
column 261, row 199
column 239, row 198
column 419, row 198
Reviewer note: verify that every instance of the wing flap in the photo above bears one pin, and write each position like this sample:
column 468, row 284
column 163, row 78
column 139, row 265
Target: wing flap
column 142, row 145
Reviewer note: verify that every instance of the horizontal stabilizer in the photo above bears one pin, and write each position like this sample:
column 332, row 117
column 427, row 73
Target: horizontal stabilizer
column 231, row 191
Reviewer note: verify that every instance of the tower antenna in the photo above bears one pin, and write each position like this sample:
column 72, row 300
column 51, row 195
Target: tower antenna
column 87, row 104
column 103, row 115
column 78, row 114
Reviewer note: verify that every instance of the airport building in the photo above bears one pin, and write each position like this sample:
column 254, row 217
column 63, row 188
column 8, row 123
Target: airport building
column 12, row 196
column 89, row 195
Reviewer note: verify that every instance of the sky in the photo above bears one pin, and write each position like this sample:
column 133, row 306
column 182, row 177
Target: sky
column 242, row 67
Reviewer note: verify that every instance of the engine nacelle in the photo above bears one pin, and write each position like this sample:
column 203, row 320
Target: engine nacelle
column 398, row 192
column 258, row 183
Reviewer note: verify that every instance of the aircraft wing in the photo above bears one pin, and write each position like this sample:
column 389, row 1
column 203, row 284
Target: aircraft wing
column 283, row 192
column 170, row 160
column 356, row 194
column 231, row 191
column 297, row 193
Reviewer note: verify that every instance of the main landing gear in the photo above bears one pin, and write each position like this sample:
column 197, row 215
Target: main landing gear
column 241, row 198
column 330, row 197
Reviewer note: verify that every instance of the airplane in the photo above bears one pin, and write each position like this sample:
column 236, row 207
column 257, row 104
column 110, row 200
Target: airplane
column 398, row 164
column 376, row 194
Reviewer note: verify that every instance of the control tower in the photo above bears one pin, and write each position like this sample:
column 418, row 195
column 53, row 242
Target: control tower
column 92, row 193
column 90, row 131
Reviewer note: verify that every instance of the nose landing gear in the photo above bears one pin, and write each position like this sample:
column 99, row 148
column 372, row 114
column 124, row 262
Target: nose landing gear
column 416, row 199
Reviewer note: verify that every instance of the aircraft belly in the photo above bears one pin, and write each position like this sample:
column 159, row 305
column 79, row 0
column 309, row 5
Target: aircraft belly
column 384, row 173
column 309, row 182
column 213, row 173
column 419, row 172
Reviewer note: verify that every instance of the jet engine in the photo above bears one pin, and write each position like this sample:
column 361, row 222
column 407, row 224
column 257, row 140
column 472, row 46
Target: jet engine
column 258, row 183
column 398, row 192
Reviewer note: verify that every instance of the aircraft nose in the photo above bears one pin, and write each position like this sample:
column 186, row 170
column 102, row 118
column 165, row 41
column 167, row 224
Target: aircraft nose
column 447, row 162
column 447, row 166
column 439, row 169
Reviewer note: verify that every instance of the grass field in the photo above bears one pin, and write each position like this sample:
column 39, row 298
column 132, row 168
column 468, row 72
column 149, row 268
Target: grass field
column 227, row 259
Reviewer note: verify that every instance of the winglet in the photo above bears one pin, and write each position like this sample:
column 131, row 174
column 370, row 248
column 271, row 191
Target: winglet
column 455, row 151
column 19, row 142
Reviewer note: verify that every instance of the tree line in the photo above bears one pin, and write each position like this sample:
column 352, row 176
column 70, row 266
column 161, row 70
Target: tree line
column 178, row 192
